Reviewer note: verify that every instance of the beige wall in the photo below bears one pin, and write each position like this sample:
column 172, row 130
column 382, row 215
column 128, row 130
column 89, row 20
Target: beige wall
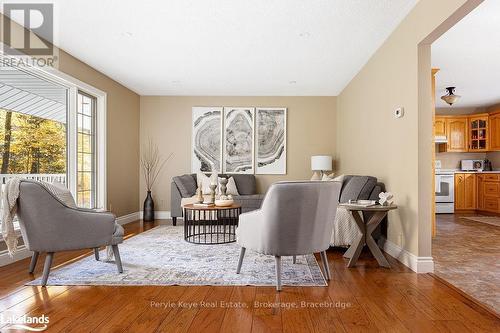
column 122, row 135
column 397, row 151
column 311, row 127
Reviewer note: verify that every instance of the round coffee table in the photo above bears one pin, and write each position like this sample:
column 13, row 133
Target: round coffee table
column 211, row 225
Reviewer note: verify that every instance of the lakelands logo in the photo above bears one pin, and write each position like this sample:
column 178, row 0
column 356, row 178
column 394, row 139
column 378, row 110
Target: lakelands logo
column 28, row 34
column 25, row 322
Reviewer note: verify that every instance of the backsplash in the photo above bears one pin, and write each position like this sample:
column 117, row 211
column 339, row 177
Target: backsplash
column 452, row 160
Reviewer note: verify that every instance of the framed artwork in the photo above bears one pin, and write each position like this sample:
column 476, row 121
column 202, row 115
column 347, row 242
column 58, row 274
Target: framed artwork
column 238, row 148
column 206, row 151
column 271, row 141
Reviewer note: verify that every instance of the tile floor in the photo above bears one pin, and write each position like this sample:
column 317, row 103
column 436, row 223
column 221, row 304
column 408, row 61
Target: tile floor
column 467, row 254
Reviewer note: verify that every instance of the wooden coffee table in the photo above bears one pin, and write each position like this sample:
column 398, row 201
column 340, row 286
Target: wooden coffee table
column 211, row 225
column 379, row 212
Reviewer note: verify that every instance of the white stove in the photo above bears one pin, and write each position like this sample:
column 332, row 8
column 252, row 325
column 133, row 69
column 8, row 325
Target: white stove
column 445, row 190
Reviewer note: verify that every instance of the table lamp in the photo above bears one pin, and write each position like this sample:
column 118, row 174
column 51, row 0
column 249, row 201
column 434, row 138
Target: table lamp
column 320, row 164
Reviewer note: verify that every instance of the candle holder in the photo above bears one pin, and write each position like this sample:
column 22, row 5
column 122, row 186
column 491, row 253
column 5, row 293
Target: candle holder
column 223, row 188
column 212, row 193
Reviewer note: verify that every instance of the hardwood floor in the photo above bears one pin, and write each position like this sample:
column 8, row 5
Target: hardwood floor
column 466, row 254
column 364, row 298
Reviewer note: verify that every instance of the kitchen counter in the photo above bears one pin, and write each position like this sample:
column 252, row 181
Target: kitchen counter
column 452, row 171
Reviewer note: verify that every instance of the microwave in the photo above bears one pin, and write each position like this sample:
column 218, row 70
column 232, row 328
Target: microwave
column 472, row 165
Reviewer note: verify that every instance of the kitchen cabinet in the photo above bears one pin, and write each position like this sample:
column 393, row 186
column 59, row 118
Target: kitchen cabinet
column 494, row 135
column 440, row 126
column 488, row 192
column 478, row 133
column 465, row 191
column 456, row 133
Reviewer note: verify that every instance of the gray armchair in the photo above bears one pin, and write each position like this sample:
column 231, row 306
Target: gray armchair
column 48, row 225
column 296, row 218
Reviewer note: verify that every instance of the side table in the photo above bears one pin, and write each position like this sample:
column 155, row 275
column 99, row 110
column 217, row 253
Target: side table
column 366, row 229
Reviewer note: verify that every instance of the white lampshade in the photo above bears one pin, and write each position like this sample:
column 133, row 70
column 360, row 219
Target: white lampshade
column 321, row 163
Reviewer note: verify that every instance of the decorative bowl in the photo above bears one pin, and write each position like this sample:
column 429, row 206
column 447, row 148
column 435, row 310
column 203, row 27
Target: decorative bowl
column 223, row 203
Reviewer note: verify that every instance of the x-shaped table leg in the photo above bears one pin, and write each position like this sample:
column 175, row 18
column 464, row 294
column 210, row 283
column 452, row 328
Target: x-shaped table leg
column 365, row 237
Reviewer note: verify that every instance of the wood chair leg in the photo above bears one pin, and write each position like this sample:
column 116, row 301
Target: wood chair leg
column 96, row 253
column 118, row 260
column 326, row 268
column 294, row 259
column 34, row 259
column 278, row 272
column 240, row 261
column 46, row 268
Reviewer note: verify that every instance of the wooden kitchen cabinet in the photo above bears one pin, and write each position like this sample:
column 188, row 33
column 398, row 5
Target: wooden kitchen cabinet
column 488, row 192
column 440, row 126
column 456, row 132
column 494, row 135
column 478, row 133
column 465, row 191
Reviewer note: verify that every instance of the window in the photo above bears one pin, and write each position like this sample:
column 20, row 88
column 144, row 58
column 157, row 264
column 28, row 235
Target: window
column 53, row 128
column 86, row 189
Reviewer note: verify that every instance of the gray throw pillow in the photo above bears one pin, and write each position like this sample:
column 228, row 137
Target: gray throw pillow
column 186, row 185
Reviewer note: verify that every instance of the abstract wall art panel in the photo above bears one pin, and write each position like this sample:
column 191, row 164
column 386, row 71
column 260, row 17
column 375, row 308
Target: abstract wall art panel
column 238, row 140
column 271, row 141
column 206, row 151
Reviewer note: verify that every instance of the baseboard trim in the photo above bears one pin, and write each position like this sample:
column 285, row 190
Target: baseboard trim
column 415, row 263
column 124, row 219
column 21, row 253
column 159, row 214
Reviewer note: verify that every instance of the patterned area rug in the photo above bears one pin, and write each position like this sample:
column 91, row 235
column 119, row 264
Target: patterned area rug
column 492, row 220
column 160, row 256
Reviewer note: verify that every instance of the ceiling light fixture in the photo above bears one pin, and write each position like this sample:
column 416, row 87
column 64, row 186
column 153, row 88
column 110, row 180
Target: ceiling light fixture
column 450, row 98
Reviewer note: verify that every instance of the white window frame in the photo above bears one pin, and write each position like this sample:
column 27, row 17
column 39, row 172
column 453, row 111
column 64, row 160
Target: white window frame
column 74, row 85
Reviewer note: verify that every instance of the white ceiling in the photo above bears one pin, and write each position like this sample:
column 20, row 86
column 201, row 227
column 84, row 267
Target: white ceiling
column 468, row 56
column 228, row 47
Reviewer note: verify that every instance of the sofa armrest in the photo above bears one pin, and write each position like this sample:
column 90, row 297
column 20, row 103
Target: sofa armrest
column 175, row 201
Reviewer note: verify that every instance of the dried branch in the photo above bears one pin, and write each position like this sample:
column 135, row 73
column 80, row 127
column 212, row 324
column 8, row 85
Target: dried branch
column 152, row 163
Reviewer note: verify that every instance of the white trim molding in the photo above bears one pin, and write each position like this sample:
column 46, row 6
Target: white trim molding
column 159, row 214
column 129, row 218
column 415, row 263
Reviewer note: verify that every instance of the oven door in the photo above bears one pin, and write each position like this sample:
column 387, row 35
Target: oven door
column 445, row 191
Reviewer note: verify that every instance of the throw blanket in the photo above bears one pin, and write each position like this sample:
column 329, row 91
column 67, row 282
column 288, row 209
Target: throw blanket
column 345, row 229
column 9, row 204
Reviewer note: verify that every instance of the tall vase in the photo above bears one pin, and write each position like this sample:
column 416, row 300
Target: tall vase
column 149, row 209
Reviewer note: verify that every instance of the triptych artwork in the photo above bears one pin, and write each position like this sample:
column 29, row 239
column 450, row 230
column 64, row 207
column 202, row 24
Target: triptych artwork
column 239, row 140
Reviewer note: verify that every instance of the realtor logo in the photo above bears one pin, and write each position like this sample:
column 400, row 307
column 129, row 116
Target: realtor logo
column 35, row 17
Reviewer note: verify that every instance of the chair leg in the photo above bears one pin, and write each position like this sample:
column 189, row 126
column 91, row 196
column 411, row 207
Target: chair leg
column 118, row 260
column 294, row 259
column 278, row 272
column 240, row 261
column 326, row 268
column 96, row 253
column 34, row 259
column 174, row 221
column 46, row 268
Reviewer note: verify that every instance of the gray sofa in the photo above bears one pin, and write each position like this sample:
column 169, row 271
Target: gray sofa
column 185, row 187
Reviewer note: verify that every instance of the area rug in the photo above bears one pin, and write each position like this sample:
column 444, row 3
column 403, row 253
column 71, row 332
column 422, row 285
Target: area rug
column 492, row 220
column 160, row 256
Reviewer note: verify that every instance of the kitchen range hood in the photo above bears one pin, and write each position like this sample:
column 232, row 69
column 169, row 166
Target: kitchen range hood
column 440, row 139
